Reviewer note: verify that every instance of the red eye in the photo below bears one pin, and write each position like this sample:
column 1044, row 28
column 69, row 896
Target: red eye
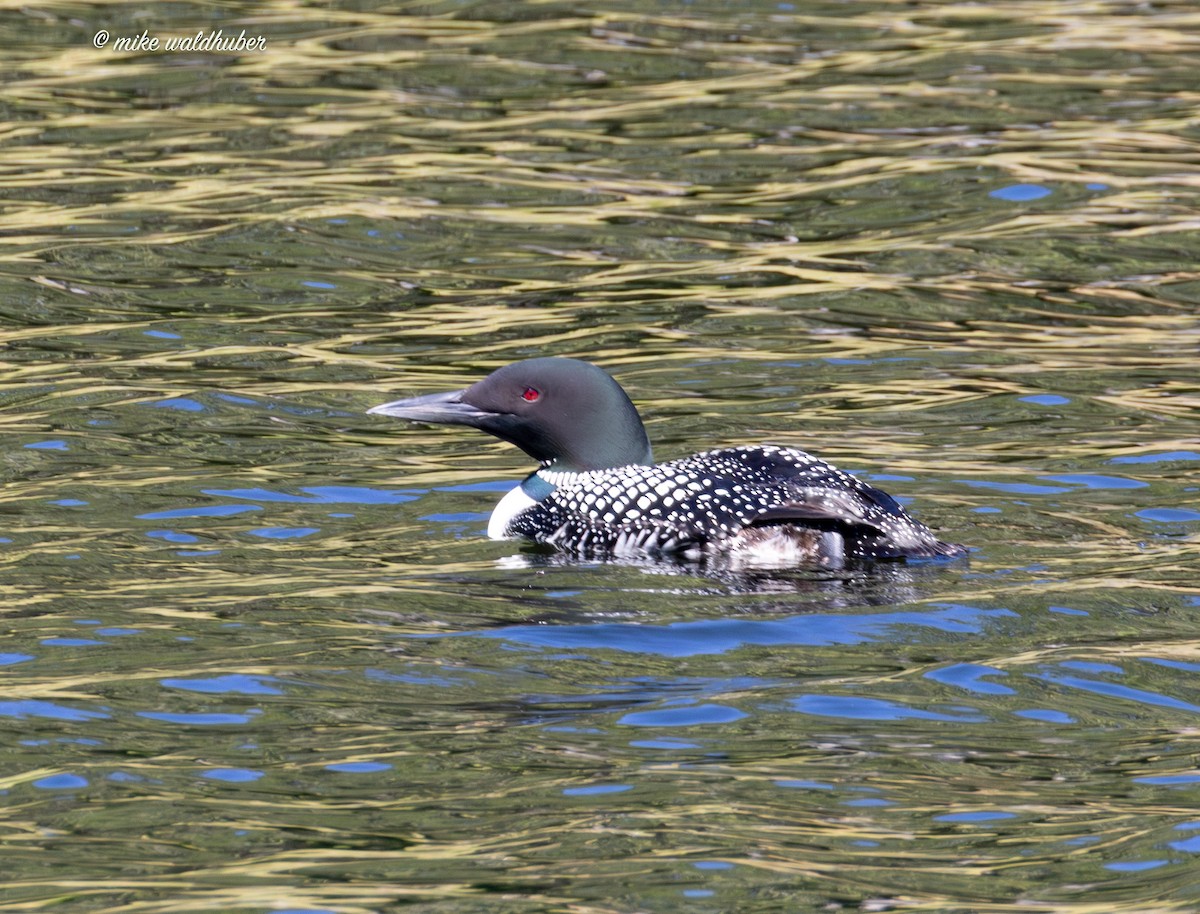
column 530, row 394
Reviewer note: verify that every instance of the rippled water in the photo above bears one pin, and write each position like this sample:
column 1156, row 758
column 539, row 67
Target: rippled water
column 260, row 655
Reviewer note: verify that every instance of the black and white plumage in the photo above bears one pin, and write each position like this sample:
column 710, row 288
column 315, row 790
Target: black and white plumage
column 598, row 493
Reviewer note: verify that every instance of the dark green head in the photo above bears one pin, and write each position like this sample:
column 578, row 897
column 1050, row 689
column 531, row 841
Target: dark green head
column 564, row 413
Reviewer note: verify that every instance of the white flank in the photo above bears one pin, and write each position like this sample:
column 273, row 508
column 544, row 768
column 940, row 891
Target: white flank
column 510, row 506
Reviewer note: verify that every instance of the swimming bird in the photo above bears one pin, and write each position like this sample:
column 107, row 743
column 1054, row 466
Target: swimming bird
column 597, row 491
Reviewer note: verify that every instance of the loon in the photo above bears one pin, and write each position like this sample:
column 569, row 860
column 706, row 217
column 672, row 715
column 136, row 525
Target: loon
column 598, row 493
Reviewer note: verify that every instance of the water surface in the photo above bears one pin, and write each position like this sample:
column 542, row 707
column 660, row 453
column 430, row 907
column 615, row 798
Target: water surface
column 260, row 656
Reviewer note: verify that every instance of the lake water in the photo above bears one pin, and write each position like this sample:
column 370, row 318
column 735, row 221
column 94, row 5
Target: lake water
column 259, row 654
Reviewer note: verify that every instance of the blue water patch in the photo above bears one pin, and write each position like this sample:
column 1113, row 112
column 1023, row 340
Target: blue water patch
column 1165, row 457
column 55, row 445
column 1045, row 715
column 835, row 360
column 1020, row 193
column 284, row 533
column 201, row 719
column 172, row 536
column 987, row 510
column 716, row 636
column 64, row 781
column 1135, row 866
column 358, row 767
column 318, row 284
column 1170, row 515
column 1115, row 690
column 1016, row 488
column 868, row 802
column 973, row 817
column 323, row 495
column 117, row 632
column 595, row 790
column 1046, row 399
column 162, row 335
column 1189, row 845
column 199, row 511
column 1093, row 481
column 969, row 676
column 1169, row 780
column 234, row 398
column 68, row 502
column 565, row 729
column 230, row 684
column 698, row 893
column 232, row 775
column 124, row 777
column 683, row 716
column 462, row 518
column 31, row 707
column 804, row 785
column 10, row 659
column 1067, row 611
column 187, row 404
column 1173, row 664
column 664, row 743
column 72, row 642
column 850, row 707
